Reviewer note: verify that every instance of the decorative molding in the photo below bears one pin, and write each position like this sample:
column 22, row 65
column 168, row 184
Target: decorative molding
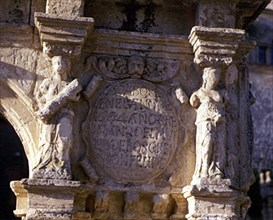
column 62, row 35
column 215, row 46
column 117, row 67
column 16, row 35
column 126, row 43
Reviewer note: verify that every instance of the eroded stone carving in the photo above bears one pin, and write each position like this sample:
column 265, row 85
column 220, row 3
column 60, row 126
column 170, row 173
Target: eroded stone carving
column 132, row 126
column 155, row 70
column 56, row 121
column 210, row 103
column 179, row 93
column 132, row 205
column 160, row 207
column 101, row 207
column 88, row 92
column 134, row 130
column 217, row 14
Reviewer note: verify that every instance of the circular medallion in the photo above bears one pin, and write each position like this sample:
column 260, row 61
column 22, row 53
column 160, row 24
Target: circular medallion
column 133, row 131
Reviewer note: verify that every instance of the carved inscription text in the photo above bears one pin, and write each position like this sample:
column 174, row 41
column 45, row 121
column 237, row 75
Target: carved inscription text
column 133, row 130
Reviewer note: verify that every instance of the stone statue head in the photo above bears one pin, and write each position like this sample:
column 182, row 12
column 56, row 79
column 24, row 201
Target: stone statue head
column 135, row 66
column 211, row 77
column 61, row 66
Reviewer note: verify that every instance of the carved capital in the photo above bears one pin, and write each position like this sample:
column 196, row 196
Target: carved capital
column 62, row 35
column 215, row 46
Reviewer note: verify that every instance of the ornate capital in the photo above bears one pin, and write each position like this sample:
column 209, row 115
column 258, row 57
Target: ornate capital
column 215, row 46
column 62, row 35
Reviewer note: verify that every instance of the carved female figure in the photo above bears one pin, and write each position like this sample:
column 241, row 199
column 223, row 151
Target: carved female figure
column 56, row 121
column 210, row 126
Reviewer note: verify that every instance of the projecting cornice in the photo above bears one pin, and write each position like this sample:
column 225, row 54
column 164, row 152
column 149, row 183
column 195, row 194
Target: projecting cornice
column 62, row 35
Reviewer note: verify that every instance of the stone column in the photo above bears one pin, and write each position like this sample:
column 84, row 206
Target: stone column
column 50, row 193
column 213, row 192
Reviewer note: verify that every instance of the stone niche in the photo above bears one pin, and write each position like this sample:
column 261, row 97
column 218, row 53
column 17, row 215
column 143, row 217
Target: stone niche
column 130, row 109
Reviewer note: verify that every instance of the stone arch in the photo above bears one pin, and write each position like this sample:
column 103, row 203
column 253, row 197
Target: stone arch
column 14, row 166
column 17, row 109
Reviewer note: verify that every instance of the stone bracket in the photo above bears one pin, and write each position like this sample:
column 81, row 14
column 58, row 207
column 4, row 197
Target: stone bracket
column 62, row 35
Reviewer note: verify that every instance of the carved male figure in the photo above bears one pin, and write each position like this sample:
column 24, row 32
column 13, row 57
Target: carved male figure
column 210, row 124
column 56, row 121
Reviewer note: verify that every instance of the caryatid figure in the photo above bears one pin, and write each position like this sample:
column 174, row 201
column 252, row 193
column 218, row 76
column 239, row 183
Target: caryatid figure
column 56, row 121
column 210, row 123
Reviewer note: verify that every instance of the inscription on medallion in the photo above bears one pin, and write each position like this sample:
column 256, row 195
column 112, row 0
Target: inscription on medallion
column 133, row 131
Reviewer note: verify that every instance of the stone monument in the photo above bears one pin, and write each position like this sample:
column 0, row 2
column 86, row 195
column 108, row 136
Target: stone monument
column 130, row 109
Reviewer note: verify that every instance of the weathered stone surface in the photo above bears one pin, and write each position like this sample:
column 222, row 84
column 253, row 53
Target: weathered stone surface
column 15, row 11
column 134, row 131
column 73, row 8
column 114, row 121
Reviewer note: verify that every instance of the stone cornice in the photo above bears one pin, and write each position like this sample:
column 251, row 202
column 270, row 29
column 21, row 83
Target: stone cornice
column 15, row 35
column 62, row 35
column 145, row 44
column 215, row 46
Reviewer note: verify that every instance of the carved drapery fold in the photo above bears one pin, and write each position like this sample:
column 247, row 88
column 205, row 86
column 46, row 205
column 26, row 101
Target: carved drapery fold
column 218, row 110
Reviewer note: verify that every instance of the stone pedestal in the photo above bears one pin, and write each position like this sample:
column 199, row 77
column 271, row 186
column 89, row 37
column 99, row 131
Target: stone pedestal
column 215, row 200
column 47, row 199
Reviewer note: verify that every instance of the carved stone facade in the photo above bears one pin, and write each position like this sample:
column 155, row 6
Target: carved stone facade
column 130, row 109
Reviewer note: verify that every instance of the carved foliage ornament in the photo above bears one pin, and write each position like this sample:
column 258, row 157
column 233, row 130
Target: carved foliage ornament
column 155, row 70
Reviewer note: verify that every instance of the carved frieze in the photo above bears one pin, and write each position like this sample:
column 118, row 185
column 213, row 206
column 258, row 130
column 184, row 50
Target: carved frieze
column 155, row 70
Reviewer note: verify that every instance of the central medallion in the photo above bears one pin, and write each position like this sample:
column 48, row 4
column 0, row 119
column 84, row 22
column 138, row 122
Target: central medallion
column 133, row 131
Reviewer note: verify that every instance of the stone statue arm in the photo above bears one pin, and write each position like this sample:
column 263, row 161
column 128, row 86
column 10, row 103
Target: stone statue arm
column 69, row 93
column 92, row 86
column 181, row 95
column 195, row 100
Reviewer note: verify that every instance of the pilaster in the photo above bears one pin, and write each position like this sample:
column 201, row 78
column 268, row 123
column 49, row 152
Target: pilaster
column 50, row 192
column 213, row 193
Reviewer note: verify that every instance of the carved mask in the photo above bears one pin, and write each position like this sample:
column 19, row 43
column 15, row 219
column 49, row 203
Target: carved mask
column 136, row 67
